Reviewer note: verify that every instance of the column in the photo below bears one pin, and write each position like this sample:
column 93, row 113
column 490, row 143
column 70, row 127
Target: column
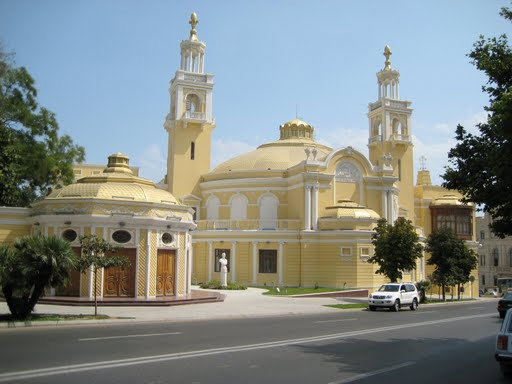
column 380, row 90
column 233, row 261
column 202, row 62
column 390, row 207
column 190, row 62
column 254, row 262
column 307, row 208
column 191, row 256
column 315, row 207
column 280, row 264
column 137, row 261
column 210, row 261
column 148, row 261
column 384, row 204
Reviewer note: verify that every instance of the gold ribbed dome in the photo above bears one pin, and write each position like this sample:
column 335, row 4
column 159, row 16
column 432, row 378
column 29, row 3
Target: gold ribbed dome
column 449, row 199
column 117, row 182
column 348, row 209
column 295, row 145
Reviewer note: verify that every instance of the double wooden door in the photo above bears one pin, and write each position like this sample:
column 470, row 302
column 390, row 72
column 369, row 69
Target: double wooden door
column 120, row 281
column 165, row 272
column 73, row 286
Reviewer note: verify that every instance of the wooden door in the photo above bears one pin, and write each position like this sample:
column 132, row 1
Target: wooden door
column 120, row 282
column 73, row 286
column 165, row 272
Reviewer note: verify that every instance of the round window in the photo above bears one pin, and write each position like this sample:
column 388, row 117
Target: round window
column 69, row 235
column 121, row 236
column 167, row 238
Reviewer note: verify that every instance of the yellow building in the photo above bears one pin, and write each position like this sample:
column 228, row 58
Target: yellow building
column 294, row 211
column 151, row 228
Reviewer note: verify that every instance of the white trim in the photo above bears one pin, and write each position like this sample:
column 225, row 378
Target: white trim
column 148, row 261
column 210, row 262
column 15, row 210
column 15, row 221
column 275, row 241
column 137, row 236
column 75, row 200
column 280, row 263
column 254, row 262
column 233, row 261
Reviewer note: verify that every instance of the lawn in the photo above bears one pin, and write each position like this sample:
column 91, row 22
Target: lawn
column 348, row 306
column 297, row 290
column 54, row 317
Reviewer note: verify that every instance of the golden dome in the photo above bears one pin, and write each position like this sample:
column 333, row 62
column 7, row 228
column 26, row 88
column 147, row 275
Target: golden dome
column 117, row 182
column 296, row 128
column 295, row 145
column 347, row 209
column 449, row 199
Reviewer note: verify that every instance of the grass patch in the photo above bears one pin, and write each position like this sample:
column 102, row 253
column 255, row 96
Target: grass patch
column 348, row 306
column 428, row 301
column 296, row 290
column 215, row 284
column 54, row 317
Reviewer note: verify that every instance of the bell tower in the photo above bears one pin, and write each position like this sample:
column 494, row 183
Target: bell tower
column 390, row 139
column 189, row 123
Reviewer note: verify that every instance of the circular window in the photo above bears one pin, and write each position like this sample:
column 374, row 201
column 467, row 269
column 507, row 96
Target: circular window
column 69, row 235
column 167, row 238
column 121, row 236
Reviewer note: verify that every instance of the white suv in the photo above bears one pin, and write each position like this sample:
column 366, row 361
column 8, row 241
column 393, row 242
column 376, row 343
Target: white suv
column 394, row 296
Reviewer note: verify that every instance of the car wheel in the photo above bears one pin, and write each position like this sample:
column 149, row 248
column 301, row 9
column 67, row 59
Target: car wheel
column 414, row 305
column 502, row 315
column 396, row 306
column 372, row 308
column 505, row 369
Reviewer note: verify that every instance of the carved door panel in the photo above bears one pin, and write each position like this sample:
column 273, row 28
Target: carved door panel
column 165, row 274
column 73, row 286
column 121, row 281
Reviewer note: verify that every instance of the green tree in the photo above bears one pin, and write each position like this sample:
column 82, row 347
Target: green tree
column 452, row 259
column 31, row 265
column 96, row 254
column 480, row 164
column 396, row 248
column 33, row 157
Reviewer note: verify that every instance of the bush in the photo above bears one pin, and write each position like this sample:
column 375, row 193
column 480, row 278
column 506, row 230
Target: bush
column 215, row 284
column 422, row 287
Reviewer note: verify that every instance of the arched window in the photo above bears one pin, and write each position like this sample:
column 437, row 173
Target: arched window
column 397, row 127
column 377, row 128
column 212, row 208
column 238, row 206
column 193, row 103
column 268, row 211
column 496, row 257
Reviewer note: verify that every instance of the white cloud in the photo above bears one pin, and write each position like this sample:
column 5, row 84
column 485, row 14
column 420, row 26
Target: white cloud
column 152, row 162
column 225, row 149
column 343, row 137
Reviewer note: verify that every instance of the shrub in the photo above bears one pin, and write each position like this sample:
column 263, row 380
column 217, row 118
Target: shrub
column 423, row 286
column 215, row 284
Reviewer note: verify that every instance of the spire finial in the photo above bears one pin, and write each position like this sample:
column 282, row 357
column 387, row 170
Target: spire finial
column 193, row 22
column 387, row 53
column 423, row 161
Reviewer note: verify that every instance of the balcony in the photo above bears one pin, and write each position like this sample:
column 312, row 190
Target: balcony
column 248, row 225
column 401, row 138
column 375, row 139
column 195, row 115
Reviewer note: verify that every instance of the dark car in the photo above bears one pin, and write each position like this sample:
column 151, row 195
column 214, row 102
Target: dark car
column 504, row 304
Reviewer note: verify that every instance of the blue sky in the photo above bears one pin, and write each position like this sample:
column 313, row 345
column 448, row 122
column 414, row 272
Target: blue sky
column 104, row 68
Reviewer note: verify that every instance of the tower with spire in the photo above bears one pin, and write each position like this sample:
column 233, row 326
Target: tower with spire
column 190, row 122
column 390, row 135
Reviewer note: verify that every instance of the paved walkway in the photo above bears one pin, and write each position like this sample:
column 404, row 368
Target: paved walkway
column 249, row 303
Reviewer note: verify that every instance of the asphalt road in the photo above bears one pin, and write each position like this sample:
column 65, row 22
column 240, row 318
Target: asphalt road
column 445, row 344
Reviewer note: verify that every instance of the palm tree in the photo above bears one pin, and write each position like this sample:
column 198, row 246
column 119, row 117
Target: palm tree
column 31, row 265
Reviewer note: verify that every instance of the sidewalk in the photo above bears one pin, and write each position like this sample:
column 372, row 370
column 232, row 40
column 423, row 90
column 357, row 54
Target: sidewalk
column 249, row 303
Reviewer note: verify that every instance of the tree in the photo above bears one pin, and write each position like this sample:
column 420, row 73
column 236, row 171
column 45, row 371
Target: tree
column 33, row 157
column 396, row 248
column 96, row 254
column 452, row 259
column 31, row 265
column 480, row 164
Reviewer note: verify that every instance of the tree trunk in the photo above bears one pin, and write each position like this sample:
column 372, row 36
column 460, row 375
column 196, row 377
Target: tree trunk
column 458, row 291
column 95, row 292
column 444, row 293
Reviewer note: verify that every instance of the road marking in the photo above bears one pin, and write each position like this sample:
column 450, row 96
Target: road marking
column 127, row 336
column 420, row 312
column 477, row 307
column 333, row 321
column 369, row 374
column 67, row 369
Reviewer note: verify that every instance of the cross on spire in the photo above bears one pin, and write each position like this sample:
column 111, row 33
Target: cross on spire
column 423, row 161
column 387, row 53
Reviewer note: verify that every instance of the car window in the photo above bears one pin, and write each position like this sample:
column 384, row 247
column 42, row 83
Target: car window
column 508, row 296
column 509, row 325
column 409, row 288
column 402, row 288
column 388, row 288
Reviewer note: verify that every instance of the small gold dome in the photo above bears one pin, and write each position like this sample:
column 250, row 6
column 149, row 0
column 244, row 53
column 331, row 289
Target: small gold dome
column 348, row 209
column 296, row 128
column 449, row 199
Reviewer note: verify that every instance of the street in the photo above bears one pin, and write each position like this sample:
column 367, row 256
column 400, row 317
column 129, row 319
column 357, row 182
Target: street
column 449, row 343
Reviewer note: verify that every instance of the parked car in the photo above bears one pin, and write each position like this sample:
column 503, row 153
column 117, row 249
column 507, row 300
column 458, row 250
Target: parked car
column 503, row 351
column 504, row 304
column 394, row 296
column 481, row 292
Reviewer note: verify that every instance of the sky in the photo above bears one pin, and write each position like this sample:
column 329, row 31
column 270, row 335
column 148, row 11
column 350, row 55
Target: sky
column 104, row 68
